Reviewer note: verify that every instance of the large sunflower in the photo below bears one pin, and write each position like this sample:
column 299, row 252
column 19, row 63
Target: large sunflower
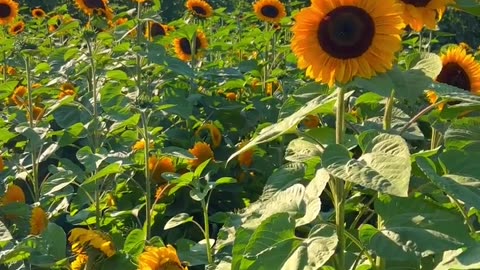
column 418, row 13
column 8, row 11
column 270, row 10
column 199, row 8
column 89, row 7
column 337, row 40
column 183, row 48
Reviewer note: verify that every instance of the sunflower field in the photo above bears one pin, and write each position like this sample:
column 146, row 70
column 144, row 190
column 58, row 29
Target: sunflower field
column 260, row 134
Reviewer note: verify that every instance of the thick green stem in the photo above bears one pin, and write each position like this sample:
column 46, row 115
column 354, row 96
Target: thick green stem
column 339, row 185
column 148, row 188
column 93, row 83
column 436, row 139
column 31, row 124
column 138, row 59
column 4, row 67
column 207, row 231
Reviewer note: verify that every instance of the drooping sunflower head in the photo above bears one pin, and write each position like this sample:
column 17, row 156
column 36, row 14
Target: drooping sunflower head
column 80, row 262
column 8, row 11
column 335, row 42
column 38, row 221
column 160, row 258
column 231, row 96
column 38, row 112
column 82, row 238
column 13, row 194
column 214, row 132
column 66, row 89
column 38, row 13
column 183, row 48
column 157, row 166
column 311, row 121
column 271, row 11
column 419, row 13
column 199, row 8
column 16, row 28
column 460, row 69
column 90, row 7
column 18, row 94
column 202, row 152
column 155, row 29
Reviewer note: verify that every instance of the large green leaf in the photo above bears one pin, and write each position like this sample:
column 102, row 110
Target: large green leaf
column 384, row 166
column 283, row 178
column 460, row 259
column 449, row 185
column 135, row 242
column 463, row 132
column 4, row 233
column 287, row 125
column 460, row 163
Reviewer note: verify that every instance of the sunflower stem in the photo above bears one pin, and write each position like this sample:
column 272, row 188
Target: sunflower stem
column 138, row 59
column 436, row 139
column 387, row 117
column 338, row 184
column 4, row 67
column 31, row 124
column 207, row 230
column 148, row 189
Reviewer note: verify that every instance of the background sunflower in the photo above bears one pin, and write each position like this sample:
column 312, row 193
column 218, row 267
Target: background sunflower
column 199, row 8
column 420, row 13
column 183, row 47
column 8, row 11
column 270, row 10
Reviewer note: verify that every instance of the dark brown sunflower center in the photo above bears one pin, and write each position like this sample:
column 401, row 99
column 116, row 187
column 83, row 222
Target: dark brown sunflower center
column 453, row 74
column 269, row 11
column 17, row 28
column 5, row 10
column 417, row 3
column 199, row 10
column 94, row 3
column 346, row 32
column 185, row 45
column 157, row 29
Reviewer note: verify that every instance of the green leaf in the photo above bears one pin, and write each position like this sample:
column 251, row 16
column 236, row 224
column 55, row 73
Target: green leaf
column 449, row 186
column 283, row 178
column 384, row 166
column 302, row 149
column 117, row 75
column 4, row 233
column 470, row 6
column 88, row 159
column 54, row 241
column 134, row 243
column 41, row 68
column 225, row 180
column 288, row 124
column 312, row 197
column 6, row 135
column 178, row 220
column 463, row 132
column 7, row 88
column 114, row 102
column 460, row 163
column 430, row 64
column 112, row 168
column 460, row 258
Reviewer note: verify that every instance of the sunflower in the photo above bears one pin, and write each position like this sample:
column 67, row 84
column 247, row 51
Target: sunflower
column 67, row 89
column 199, row 8
column 13, row 194
column 271, row 11
column 140, row 145
column 38, row 221
column 336, row 42
column 82, row 238
column 157, row 166
column 311, row 121
column 79, row 262
column 18, row 95
column 245, row 158
column 89, row 7
column 38, row 13
column 8, row 11
column 155, row 29
column 37, row 113
column 202, row 152
column 183, row 48
column 231, row 96
column 10, row 70
column 160, row 258
column 215, row 134
column 424, row 12
column 16, row 28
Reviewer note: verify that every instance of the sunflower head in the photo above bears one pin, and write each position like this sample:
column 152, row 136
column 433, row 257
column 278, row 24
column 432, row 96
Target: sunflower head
column 231, row 96
column 271, row 11
column 183, row 47
column 10, row 70
column 66, row 89
column 311, row 121
column 80, row 262
column 160, row 258
column 13, row 194
column 8, row 11
column 38, row 221
column 335, row 42
column 432, row 98
column 215, row 134
column 245, row 158
column 157, row 166
column 155, row 29
column 81, row 238
column 199, row 8
column 38, row 13
column 419, row 13
column 91, row 7
column 202, row 152
column 16, row 28
column 2, row 164
column 460, row 69
column 37, row 113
